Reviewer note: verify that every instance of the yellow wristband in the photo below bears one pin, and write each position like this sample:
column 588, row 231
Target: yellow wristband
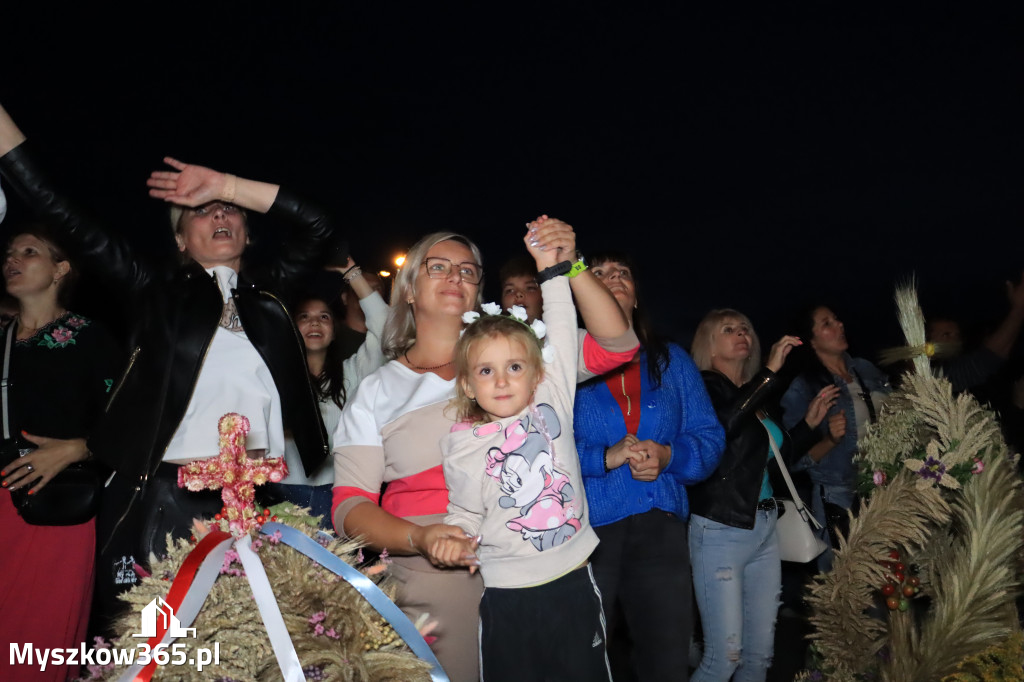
column 577, row 267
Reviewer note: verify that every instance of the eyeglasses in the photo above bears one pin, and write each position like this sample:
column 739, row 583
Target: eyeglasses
column 441, row 268
column 213, row 206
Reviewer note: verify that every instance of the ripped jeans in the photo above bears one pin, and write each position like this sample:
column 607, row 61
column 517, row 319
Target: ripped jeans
column 737, row 576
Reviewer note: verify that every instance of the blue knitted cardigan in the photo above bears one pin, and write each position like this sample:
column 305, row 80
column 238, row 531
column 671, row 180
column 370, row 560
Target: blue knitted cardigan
column 677, row 413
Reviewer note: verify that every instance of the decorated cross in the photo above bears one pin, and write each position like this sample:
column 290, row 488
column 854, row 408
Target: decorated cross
column 234, row 473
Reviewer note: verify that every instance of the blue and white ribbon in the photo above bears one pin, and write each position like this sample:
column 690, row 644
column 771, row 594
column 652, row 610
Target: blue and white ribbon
column 373, row 594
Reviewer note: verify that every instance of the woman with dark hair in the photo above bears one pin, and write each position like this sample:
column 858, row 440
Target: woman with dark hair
column 862, row 389
column 335, row 378
column 737, row 573
column 60, row 368
column 644, row 432
column 210, row 336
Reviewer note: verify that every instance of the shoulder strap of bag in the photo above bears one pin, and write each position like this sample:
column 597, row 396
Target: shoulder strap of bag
column 800, row 507
column 12, row 330
column 865, row 395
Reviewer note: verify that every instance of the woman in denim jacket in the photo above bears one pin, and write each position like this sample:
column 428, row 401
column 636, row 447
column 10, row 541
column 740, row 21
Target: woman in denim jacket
column 862, row 389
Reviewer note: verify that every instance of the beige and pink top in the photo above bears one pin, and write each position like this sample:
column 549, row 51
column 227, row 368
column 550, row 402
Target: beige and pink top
column 391, row 430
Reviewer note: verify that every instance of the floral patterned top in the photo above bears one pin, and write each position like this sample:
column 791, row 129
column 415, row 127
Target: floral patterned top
column 61, row 377
column 60, row 333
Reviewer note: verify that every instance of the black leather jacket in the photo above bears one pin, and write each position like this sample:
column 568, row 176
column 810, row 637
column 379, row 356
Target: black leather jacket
column 730, row 495
column 176, row 316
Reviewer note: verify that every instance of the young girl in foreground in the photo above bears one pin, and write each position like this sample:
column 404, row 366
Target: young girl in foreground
column 515, row 488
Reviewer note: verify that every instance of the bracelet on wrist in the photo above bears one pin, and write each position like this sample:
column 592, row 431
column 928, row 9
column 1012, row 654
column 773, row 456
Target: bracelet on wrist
column 554, row 271
column 577, row 267
column 351, row 274
column 230, row 185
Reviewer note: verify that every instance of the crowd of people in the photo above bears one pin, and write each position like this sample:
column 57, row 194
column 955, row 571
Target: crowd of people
column 554, row 482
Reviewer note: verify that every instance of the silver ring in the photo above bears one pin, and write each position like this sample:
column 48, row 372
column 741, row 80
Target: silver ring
column 30, row 468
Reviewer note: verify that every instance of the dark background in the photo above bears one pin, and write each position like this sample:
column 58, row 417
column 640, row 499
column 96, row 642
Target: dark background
column 751, row 160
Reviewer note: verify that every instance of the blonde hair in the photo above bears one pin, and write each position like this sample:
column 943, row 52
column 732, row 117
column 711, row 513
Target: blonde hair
column 400, row 329
column 177, row 214
column 490, row 327
column 703, row 340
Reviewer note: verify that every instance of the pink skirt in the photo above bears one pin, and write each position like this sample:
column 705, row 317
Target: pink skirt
column 46, row 579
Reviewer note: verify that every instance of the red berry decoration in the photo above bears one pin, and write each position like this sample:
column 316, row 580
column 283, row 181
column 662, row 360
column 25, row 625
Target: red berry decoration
column 900, row 567
column 266, row 513
column 218, row 517
column 898, row 577
column 909, row 590
column 894, row 555
column 893, row 603
column 274, row 517
column 914, row 580
column 888, row 589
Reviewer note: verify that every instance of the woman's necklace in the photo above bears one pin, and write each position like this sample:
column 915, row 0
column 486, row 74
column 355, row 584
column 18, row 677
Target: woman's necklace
column 425, row 369
column 629, row 403
column 29, row 332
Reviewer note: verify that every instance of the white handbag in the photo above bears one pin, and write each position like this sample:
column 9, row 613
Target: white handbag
column 797, row 540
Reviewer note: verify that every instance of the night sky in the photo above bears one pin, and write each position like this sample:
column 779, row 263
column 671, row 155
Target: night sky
column 751, row 161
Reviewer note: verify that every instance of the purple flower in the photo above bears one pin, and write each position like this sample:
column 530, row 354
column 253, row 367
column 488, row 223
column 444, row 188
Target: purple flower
column 315, row 673
column 879, row 477
column 932, row 469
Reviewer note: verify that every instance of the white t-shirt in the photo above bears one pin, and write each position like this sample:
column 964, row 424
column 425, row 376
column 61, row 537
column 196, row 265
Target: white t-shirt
column 233, row 378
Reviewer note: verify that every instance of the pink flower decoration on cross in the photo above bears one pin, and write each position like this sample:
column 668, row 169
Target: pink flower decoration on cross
column 234, row 473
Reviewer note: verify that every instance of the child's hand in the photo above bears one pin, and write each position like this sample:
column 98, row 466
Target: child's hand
column 550, row 241
column 451, row 551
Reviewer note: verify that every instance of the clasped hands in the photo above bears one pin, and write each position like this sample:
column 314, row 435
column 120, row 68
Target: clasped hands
column 646, row 458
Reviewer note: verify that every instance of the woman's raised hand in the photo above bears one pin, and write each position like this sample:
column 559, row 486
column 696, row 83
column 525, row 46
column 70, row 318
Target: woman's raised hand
column 780, row 351
column 820, row 406
column 190, row 185
column 550, row 241
column 39, row 467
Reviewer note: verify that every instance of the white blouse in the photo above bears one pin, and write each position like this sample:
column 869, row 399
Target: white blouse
column 233, row 378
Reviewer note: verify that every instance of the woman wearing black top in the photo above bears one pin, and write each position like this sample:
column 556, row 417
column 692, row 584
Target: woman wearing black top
column 733, row 544
column 211, row 336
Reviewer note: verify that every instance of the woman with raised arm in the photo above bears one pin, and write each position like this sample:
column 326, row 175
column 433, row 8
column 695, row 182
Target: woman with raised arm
column 862, row 390
column 335, row 378
column 210, row 337
column 737, row 572
column 390, row 431
column 644, row 432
